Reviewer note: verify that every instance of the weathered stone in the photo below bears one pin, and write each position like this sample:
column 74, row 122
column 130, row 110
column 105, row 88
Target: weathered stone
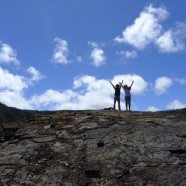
column 86, row 148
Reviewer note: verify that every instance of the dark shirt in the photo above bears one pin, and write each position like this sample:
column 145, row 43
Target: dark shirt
column 117, row 91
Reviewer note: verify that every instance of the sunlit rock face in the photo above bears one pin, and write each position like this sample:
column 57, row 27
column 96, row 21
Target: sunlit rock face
column 100, row 147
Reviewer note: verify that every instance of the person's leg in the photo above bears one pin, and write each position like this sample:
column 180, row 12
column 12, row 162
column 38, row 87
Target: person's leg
column 126, row 102
column 129, row 102
column 119, row 107
column 127, row 99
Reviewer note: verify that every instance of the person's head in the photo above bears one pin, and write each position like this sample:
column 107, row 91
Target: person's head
column 117, row 86
column 125, row 86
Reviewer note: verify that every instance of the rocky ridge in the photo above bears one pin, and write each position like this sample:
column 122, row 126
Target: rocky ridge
column 99, row 147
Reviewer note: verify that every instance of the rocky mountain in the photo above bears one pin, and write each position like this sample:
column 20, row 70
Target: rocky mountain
column 94, row 147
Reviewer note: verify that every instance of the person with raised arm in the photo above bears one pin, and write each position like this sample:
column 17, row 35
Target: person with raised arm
column 117, row 89
column 127, row 90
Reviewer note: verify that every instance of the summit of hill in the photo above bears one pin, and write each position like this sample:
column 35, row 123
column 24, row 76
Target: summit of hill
column 92, row 147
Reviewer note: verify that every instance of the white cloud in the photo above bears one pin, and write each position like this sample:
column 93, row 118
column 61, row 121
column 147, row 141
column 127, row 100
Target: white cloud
column 12, row 86
column 176, row 104
column 94, row 96
column 14, row 99
column 139, row 86
column 12, row 90
column 11, row 82
column 169, row 43
column 128, row 54
column 92, row 84
column 98, row 57
column 97, row 54
column 61, row 51
column 145, row 29
column 152, row 109
column 173, row 39
column 87, row 93
column 162, row 84
column 84, row 80
column 52, row 98
column 36, row 75
column 8, row 54
column 148, row 29
column 160, row 13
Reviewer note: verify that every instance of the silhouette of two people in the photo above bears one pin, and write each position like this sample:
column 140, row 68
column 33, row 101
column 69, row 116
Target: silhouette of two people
column 127, row 90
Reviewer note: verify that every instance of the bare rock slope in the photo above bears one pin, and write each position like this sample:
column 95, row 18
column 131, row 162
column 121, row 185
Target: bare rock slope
column 87, row 148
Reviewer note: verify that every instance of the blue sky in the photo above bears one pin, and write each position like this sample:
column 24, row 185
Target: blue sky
column 61, row 54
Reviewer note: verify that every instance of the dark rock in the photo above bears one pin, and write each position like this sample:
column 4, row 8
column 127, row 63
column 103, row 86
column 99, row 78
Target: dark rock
column 178, row 151
column 10, row 133
column 109, row 108
column 100, row 144
column 181, row 136
column 93, row 172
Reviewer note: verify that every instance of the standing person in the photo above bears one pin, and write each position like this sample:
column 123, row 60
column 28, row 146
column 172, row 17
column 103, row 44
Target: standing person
column 117, row 94
column 127, row 90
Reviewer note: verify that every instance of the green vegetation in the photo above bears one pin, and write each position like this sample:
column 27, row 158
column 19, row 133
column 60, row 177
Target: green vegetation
column 176, row 111
column 10, row 114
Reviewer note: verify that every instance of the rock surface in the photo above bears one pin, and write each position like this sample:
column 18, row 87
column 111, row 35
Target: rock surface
column 87, row 148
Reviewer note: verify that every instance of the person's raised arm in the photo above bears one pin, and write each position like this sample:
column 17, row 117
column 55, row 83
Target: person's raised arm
column 121, row 84
column 112, row 84
column 131, row 84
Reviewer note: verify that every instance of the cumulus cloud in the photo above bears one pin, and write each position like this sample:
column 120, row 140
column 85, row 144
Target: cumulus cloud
column 13, row 86
column 11, row 82
column 145, row 29
column 176, row 104
column 36, row 75
column 173, row 39
column 97, row 55
column 148, row 29
column 162, row 84
column 128, row 54
column 169, row 43
column 92, row 83
column 14, row 99
column 139, row 86
column 61, row 51
column 152, row 109
column 52, row 98
column 87, row 93
column 12, row 90
column 8, row 54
